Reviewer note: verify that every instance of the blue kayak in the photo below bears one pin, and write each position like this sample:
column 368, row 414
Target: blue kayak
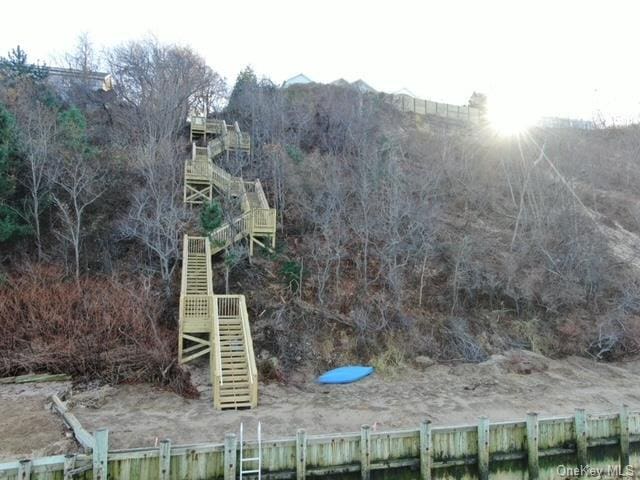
column 345, row 374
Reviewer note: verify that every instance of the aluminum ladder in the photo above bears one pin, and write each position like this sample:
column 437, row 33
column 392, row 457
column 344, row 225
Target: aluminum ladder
column 251, row 459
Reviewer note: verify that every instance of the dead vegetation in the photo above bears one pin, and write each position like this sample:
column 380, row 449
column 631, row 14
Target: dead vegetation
column 104, row 328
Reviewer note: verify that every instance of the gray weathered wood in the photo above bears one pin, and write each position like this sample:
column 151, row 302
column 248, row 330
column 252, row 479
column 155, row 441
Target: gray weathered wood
column 624, row 436
column 581, row 436
column 230, row 454
column 165, row 459
column 483, row 448
column 100, row 453
column 365, row 452
column 84, row 438
column 69, row 465
column 58, row 377
column 301, row 454
column 532, row 446
column 426, row 450
column 24, row 470
column 334, row 454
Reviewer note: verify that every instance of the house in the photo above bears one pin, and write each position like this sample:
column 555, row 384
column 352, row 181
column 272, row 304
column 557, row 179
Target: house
column 299, row 79
column 363, row 87
column 341, row 82
column 404, row 91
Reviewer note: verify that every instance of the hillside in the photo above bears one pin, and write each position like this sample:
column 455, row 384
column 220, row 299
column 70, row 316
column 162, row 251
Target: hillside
column 399, row 236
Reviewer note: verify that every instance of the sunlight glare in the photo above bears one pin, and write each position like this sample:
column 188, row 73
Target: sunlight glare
column 511, row 115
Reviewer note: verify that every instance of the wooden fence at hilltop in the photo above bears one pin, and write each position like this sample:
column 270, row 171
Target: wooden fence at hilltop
column 428, row 451
column 462, row 113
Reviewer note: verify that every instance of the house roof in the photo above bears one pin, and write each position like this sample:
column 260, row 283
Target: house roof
column 341, row 82
column 298, row 79
column 363, row 86
column 404, row 91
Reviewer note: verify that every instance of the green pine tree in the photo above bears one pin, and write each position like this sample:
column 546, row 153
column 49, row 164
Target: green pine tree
column 11, row 222
column 211, row 216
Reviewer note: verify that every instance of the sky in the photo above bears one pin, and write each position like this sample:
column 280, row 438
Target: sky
column 554, row 58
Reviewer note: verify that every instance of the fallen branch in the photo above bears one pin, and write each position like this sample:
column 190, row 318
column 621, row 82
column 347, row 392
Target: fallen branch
column 83, row 437
column 58, row 377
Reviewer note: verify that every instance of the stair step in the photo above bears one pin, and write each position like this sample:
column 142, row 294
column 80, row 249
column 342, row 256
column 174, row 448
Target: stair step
column 228, row 385
column 236, row 406
column 235, row 398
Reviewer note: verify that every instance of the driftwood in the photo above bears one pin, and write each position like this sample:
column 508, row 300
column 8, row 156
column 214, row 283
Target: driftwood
column 58, row 377
column 82, row 436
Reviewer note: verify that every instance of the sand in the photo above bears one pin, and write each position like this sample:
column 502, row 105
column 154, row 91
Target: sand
column 503, row 388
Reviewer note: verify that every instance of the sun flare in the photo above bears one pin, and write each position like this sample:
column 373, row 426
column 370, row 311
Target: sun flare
column 510, row 115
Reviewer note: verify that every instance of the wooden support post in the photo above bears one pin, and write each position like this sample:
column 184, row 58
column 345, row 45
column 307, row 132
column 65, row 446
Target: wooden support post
column 365, row 452
column 69, row 465
column 230, row 451
column 532, row 446
column 581, row 436
column 100, row 454
column 24, row 470
column 301, row 454
column 165, row 459
column 624, row 437
column 483, row 448
column 426, row 451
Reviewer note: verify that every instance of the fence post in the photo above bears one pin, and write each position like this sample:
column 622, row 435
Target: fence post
column 365, row 452
column 581, row 436
column 532, row 445
column 165, row 459
column 301, row 454
column 24, row 470
column 69, row 464
column 230, row 456
column 624, row 437
column 483, row 448
column 100, row 454
column 426, row 453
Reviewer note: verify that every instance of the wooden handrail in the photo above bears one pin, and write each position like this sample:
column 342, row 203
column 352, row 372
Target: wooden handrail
column 248, row 344
column 216, row 341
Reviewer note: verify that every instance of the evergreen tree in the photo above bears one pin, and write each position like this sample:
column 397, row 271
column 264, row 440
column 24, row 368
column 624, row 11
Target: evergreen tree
column 11, row 223
column 242, row 95
column 15, row 66
column 211, row 216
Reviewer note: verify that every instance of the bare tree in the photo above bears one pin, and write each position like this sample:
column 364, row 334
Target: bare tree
column 79, row 185
column 38, row 136
column 159, row 86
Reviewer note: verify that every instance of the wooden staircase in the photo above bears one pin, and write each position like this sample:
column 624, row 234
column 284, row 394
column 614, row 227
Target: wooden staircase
column 218, row 325
column 234, row 369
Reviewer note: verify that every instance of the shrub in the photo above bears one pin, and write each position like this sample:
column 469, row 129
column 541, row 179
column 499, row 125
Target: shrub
column 295, row 154
column 106, row 329
column 292, row 273
column 211, row 216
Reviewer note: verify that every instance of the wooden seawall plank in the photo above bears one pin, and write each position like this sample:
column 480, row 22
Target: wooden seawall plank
column 303, row 456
